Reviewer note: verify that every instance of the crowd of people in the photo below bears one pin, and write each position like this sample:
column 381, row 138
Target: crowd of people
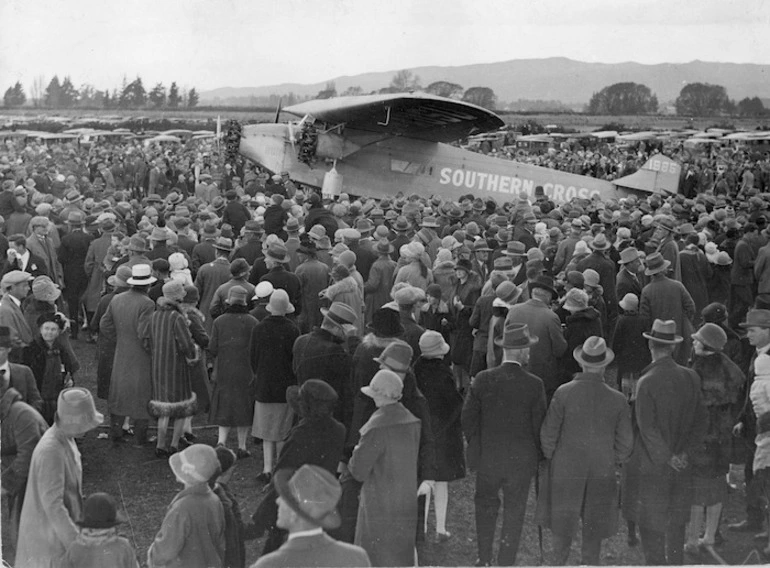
column 378, row 350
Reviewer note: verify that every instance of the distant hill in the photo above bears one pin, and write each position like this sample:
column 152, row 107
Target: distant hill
column 553, row 79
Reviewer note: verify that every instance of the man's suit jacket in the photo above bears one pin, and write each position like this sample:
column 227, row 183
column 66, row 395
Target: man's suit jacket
column 482, row 313
column 35, row 266
column 72, row 255
column 315, row 550
column 23, row 381
column 627, row 284
column 501, row 419
column 12, row 317
column 49, row 257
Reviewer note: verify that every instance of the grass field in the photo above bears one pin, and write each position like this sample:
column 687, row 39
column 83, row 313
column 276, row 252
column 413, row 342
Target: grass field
column 146, row 485
column 580, row 122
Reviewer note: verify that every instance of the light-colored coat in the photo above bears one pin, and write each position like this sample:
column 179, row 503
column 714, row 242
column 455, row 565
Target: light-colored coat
column 586, row 432
column 47, row 251
column 52, row 503
column 94, row 268
column 314, row 551
column 127, row 321
column 385, row 461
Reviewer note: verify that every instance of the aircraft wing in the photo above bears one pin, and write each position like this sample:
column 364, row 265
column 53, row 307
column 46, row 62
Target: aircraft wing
column 412, row 115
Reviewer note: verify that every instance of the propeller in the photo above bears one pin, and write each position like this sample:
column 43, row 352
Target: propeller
column 278, row 111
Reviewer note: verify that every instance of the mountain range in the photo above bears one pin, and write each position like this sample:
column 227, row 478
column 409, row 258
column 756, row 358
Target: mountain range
column 556, row 79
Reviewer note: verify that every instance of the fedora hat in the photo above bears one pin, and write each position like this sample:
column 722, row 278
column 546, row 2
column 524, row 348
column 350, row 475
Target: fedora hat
column 210, row 230
column 432, row 344
column 507, row 292
column 312, row 493
column 515, row 248
column 277, row 252
column 627, row 255
column 757, row 318
column 141, row 275
column 600, row 242
column 502, row 262
column 481, row 245
column 195, row 465
column 76, row 218
column 385, row 385
column 279, row 304
column 516, row 336
column 656, row 263
column 340, row 314
column 664, row 332
column 137, row 244
column 364, row 226
column 401, row 224
column 430, row 223
column 594, row 352
column 384, row 247
column 711, row 336
column 544, row 282
column 224, row 244
column 686, row 229
column 159, row 234
column 76, row 412
column 121, row 276
column 292, row 225
column 397, row 357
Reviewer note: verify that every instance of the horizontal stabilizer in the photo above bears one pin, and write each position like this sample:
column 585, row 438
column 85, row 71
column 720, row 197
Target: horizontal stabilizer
column 659, row 175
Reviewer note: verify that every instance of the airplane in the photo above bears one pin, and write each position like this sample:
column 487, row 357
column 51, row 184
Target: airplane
column 379, row 145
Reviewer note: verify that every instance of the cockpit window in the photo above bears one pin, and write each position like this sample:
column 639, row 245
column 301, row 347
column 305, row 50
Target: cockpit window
column 405, row 167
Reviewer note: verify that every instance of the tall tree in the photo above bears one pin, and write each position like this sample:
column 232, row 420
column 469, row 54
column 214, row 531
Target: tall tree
column 133, row 95
column 86, row 96
column 192, row 98
column 52, row 98
column 157, row 96
column 623, row 98
column 352, row 91
column 37, row 92
column 703, row 99
column 751, row 107
column 328, row 92
column 481, row 96
column 14, row 96
column 69, row 94
column 405, row 80
column 173, row 96
column 445, row 89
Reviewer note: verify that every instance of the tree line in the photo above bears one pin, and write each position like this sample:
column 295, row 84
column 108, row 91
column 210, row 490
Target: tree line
column 695, row 99
column 131, row 95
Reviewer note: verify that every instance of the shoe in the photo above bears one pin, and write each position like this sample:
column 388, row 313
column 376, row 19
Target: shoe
column 162, row 453
column 183, row 443
column 703, row 543
column 242, row 454
column 128, row 431
column 692, row 549
column 443, row 536
column 483, row 563
column 745, row 526
column 172, row 450
column 190, row 437
column 760, row 536
column 264, row 478
column 152, row 439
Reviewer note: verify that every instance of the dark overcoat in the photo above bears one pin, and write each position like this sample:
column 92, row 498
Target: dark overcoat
column 270, row 353
column 435, row 380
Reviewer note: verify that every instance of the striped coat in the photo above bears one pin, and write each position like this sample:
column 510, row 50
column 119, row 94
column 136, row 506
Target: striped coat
column 172, row 345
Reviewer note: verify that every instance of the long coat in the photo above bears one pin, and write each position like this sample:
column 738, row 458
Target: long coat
column 209, row 278
column 377, row 287
column 72, row 255
column 696, row 272
column 270, row 353
column 670, row 420
column 348, row 292
column 94, row 268
column 127, row 321
column 586, row 432
column 321, row 355
column 468, row 293
column 313, row 278
column 172, row 345
column 314, row 550
column 543, row 355
column 385, row 461
column 52, row 503
column 105, row 348
column 667, row 299
column 193, row 531
column 231, row 404
column 46, row 250
column 435, row 380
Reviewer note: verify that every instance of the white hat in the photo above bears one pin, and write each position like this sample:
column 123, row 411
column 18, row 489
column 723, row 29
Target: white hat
column 141, row 275
column 263, row 290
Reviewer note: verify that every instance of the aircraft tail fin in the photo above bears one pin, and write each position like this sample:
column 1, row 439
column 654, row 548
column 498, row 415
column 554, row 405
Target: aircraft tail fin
column 660, row 174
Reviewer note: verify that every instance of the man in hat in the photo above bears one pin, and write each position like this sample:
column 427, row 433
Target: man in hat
column 670, row 419
column 627, row 281
column 276, row 260
column 742, row 284
column 544, row 324
column 204, row 252
column 323, row 354
column 599, row 261
column 365, row 256
column 666, row 298
column 292, row 242
column 211, row 276
column 15, row 288
column 239, row 270
column 408, row 299
column 94, row 266
column 501, row 420
column 524, row 232
column 377, row 286
column 159, row 240
column 127, row 322
column 757, row 326
column 72, row 255
column 401, row 228
column 664, row 236
column 276, row 216
column 586, row 433
column 53, row 500
column 480, row 260
column 251, row 247
column 21, row 258
column 307, row 501
column 236, row 213
column 567, row 246
column 313, row 278
column 517, row 253
column 41, row 245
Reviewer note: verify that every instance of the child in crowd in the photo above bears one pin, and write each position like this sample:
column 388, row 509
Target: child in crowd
column 235, row 549
column 98, row 544
column 179, row 271
column 630, row 347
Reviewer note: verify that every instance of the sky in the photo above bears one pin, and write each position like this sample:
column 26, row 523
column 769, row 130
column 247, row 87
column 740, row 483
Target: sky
column 248, row 43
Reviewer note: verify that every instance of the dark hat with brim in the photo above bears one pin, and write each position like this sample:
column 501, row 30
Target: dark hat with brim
column 655, row 263
column 516, row 336
column 757, row 318
column 100, row 512
column 544, row 282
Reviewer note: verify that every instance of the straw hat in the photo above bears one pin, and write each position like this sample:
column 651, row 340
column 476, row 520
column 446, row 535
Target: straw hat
column 141, row 275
